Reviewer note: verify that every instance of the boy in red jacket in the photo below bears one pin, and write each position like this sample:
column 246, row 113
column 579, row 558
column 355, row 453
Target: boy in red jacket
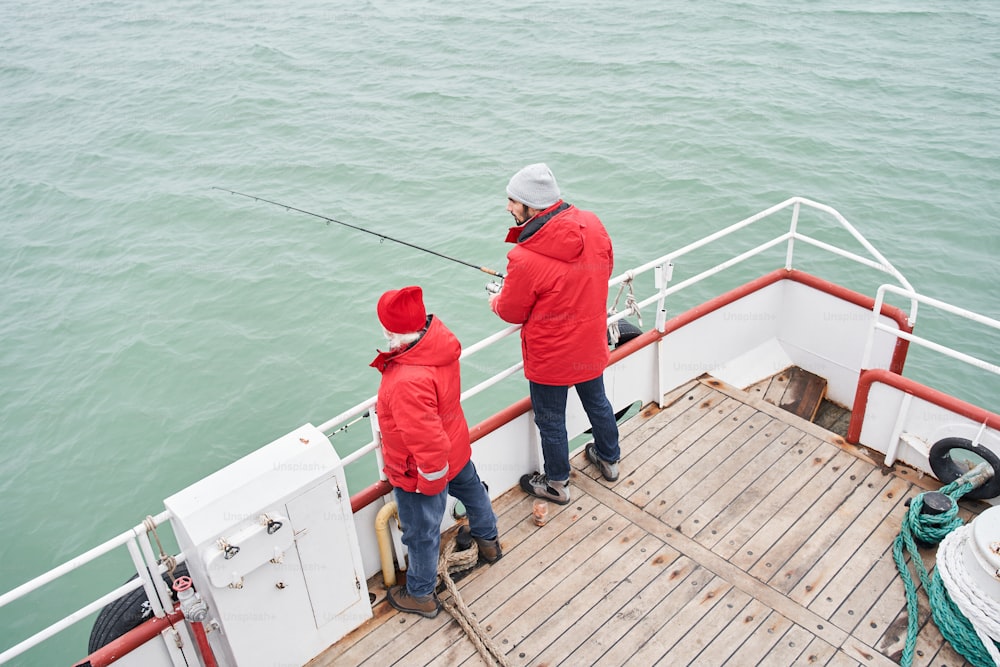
column 557, row 288
column 425, row 443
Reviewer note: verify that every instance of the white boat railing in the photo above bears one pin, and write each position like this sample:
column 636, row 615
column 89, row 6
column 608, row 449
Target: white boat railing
column 141, row 551
column 137, row 539
column 924, row 342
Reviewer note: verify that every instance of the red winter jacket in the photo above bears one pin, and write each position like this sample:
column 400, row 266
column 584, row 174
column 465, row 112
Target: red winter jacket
column 425, row 438
column 557, row 287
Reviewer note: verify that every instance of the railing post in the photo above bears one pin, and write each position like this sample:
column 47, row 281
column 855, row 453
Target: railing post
column 661, row 276
column 156, row 606
column 791, row 236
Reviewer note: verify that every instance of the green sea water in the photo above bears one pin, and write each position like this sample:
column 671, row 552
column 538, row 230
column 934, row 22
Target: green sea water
column 152, row 329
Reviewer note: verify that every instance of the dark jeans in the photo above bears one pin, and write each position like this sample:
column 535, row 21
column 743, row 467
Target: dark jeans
column 421, row 518
column 549, row 404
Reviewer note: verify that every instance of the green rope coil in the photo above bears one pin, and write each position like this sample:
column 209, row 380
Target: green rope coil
column 931, row 529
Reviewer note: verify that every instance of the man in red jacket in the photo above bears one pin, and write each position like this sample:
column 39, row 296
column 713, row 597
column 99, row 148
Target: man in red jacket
column 557, row 288
column 425, row 443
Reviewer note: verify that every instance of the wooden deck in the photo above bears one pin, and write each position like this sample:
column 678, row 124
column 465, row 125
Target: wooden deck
column 738, row 534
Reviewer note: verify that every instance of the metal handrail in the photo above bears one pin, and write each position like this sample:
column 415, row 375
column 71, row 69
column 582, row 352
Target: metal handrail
column 937, row 347
column 128, row 538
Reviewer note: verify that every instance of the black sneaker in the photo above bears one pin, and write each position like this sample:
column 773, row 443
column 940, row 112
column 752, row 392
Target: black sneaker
column 609, row 470
column 541, row 486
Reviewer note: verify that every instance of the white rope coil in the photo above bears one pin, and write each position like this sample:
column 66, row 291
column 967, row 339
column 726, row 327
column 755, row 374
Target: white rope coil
column 982, row 611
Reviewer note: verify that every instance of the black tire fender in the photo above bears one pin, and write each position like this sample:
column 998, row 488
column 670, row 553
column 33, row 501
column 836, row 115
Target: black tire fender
column 126, row 613
column 948, row 470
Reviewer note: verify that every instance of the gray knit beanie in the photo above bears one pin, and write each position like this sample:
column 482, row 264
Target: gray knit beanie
column 534, row 186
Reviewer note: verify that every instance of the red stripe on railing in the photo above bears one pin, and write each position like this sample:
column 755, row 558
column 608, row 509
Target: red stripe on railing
column 367, row 496
column 492, row 423
column 131, row 640
column 882, row 376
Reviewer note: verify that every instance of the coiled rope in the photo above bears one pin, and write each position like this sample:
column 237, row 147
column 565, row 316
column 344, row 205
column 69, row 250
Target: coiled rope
column 631, row 305
column 932, row 529
column 450, row 562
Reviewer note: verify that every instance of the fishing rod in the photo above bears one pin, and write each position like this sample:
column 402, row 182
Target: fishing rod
column 362, row 229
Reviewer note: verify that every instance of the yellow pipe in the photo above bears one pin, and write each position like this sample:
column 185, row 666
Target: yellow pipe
column 387, row 512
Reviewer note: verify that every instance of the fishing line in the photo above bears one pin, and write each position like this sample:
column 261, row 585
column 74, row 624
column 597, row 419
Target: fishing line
column 362, row 229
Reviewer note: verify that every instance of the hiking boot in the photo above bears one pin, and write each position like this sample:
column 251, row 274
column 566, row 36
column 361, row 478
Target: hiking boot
column 425, row 605
column 541, row 486
column 609, row 470
column 489, row 550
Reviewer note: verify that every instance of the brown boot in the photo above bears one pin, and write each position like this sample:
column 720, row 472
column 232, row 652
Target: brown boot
column 489, row 550
column 425, row 605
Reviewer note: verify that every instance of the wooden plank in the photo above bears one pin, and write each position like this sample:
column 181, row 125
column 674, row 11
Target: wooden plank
column 698, row 474
column 804, row 393
column 543, row 603
column 860, row 653
column 764, row 640
column 872, row 587
column 653, row 419
column 734, row 639
column 847, row 543
column 689, row 450
column 681, row 394
column 794, row 532
column 701, row 522
column 542, row 548
column 658, row 631
column 485, row 594
column 581, row 590
column 662, row 444
column 703, row 629
column 747, row 542
column 608, row 607
column 841, row 659
column 818, row 652
column 777, row 386
column 789, row 648
column 868, row 550
column 397, row 635
column 760, row 499
column 735, row 474
column 885, row 623
column 946, row 656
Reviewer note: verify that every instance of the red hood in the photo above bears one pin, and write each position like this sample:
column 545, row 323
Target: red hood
column 437, row 347
column 559, row 238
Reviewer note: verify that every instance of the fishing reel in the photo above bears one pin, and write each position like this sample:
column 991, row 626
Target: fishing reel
column 493, row 288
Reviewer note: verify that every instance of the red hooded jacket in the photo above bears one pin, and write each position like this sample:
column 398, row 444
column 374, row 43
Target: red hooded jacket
column 425, row 438
column 557, row 287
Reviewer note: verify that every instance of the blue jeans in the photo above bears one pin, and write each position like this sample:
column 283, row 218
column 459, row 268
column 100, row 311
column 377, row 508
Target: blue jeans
column 549, row 404
column 421, row 518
